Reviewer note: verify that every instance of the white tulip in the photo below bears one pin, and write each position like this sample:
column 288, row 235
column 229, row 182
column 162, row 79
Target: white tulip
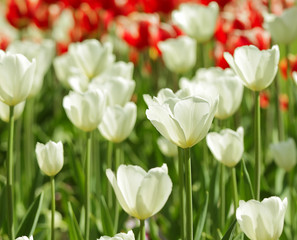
column 222, row 82
column 118, row 90
column 43, row 53
column 24, row 238
column 50, row 157
column 166, row 147
column 226, row 146
column 255, row 68
column 262, row 220
column 281, row 27
column 61, row 65
column 91, row 57
column 294, row 74
column 141, row 194
column 284, row 154
column 198, row 21
column 17, row 111
column 120, row 236
column 183, row 120
column 85, row 110
column 179, row 54
column 119, row 69
column 16, row 78
column 118, row 122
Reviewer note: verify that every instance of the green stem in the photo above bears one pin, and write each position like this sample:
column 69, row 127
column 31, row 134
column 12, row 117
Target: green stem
column 280, row 121
column 234, row 185
column 257, row 146
column 87, row 186
column 118, row 161
column 189, row 207
column 10, row 184
column 53, row 209
column 181, row 191
column 223, row 197
column 142, row 230
column 201, row 55
column 109, row 166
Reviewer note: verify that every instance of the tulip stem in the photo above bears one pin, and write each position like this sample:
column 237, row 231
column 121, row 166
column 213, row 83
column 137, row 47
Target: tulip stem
column 53, row 209
column 257, row 146
column 142, row 230
column 189, row 207
column 10, row 187
column 109, row 166
column 281, row 133
column 222, row 186
column 181, row 191
column 87, row 186
column 234, row 185
column 118, row 161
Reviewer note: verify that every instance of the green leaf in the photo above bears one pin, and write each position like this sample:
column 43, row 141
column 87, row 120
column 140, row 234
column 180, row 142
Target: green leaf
column 107, row 220
column 246, row 173
column 202, row 219
column 29, row 222
column 228, row 235
column 74, row 230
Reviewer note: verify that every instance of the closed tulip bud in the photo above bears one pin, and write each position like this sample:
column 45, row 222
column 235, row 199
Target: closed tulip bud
column 50, row 157
column 141, row 194
column 262, row 220
column 85, row 110
column 42, row 52
column 24, row 238
column 181, row 118
column 118, row 90
column 120, row 236
column 255, row 68
column 197, row 21
column 17, row 111
column 226, row 146
column 179, row 54
column 284, row 154
column 118, row 122
column 280, row 27
column 91, row 57
column 166, row 147
column 294, row 74
column 16, row 78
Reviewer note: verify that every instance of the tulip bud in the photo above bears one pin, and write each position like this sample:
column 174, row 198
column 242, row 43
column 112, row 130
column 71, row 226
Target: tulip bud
column 16, row 78
column 284, row 154
column 141, row 194
column 280, row 27
column 262, row 220
column 120, row 236
column 179, row 54
column 255, row 68
column 118, row 122
column 85, row 110
column 226, row 146
column 50, row 157
column 196, row 20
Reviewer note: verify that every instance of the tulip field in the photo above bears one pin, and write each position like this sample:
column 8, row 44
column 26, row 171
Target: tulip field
column 148, row 119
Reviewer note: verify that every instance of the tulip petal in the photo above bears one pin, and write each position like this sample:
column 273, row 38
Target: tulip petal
column 153, row 193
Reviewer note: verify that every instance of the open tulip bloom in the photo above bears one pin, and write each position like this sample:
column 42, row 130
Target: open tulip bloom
column 255, row 68
column 181, row 118
column 262, row 220
column 141, row 194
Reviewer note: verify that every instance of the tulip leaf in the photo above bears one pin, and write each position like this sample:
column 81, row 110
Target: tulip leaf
column 246, row 173
column 29, row 222
column 228, row 235
column 107, row 223
column 3, row 206
column 74, row 230
column 202, row 219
